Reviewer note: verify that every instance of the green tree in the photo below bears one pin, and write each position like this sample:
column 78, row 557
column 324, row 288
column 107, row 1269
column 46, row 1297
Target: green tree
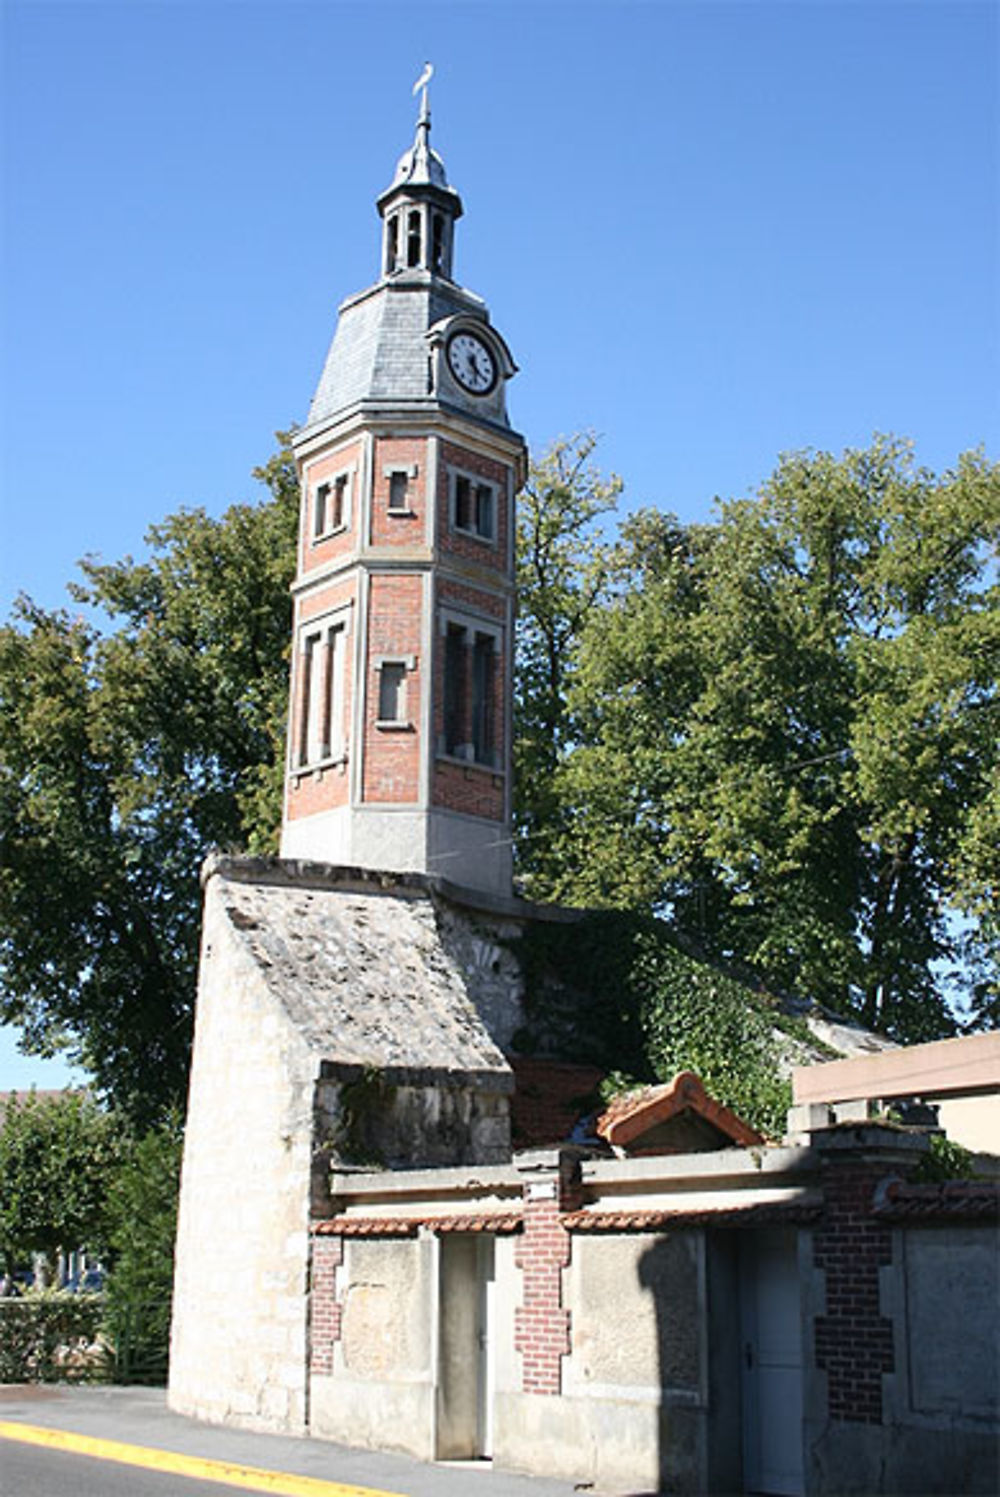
column 58, row 1156
column 142, row 1214
column 785, row 728
column 125, row 754
column 562, row 576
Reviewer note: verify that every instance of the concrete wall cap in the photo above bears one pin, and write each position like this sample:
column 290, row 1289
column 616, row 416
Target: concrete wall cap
column 740, row 1164
column 447, row 1180
column 870, row 1141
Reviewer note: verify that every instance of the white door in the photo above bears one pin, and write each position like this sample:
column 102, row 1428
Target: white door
column 486, row 1279
column 772, row 1363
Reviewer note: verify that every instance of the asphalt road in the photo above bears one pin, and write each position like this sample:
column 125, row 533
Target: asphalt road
column 138, row 1421
column 26, row 1471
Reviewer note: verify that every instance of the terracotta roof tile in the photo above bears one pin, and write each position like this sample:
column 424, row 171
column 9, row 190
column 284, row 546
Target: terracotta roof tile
column 630, row 1116
column 408, row 1226
column 765, row 1213
column 951, row 1200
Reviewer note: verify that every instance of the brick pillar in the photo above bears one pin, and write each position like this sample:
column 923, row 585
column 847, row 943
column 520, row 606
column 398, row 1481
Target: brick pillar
column 324, row 1310
column 854, row 1340
column 541, row 1324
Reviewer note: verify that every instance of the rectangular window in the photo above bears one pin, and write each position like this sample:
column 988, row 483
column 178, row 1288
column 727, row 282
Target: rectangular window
column 483, row 700
column 306, row 695
column 392, row 692
column 463, row 502
column 455, row 736
column 399, row 491
column 473, row 507
column 331, row 505
column 484, row 511
column 321, row 698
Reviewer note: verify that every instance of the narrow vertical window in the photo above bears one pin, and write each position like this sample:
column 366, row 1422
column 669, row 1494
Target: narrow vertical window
column 391, row 692
column 437, row 244
column 320, row 507
column 392, row 244
column 484, row 511
column 483, row 703
column 463, row 502
column 399, row 491
column 306, row 691
column 338, row 507
column 321, row 697
column 413, row 238
column 454, row 689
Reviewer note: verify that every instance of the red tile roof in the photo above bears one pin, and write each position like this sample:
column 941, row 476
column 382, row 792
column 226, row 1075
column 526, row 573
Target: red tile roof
column 765, row 1213
column 408, row 1226
column 634, row 1114
column 951, row 1200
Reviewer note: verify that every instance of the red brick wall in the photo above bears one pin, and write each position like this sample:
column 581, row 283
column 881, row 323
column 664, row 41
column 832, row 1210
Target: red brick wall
column 315, row 553
column 393, row 529
column 324, row 1311
column 322, row 790
column 468, row 788
column 487, row 553
column 854, row 1342
column 541, row 1325
column 392, row 755
column 475, row 790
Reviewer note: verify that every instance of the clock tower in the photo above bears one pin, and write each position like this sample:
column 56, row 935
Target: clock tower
column 399, row 739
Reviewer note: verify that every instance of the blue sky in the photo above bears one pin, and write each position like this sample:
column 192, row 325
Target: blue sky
column 712, row 232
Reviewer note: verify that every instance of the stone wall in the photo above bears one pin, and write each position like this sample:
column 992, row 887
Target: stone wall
column 239, row 1330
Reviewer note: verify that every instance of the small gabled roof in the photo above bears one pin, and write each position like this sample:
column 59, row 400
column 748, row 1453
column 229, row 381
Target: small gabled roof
column 635, row 1122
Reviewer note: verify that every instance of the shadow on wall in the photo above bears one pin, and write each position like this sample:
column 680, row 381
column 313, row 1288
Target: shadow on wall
column 693, row 1278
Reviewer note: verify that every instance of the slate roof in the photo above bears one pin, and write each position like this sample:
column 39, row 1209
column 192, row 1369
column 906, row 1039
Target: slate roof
column 378, row 351
column 366, row 980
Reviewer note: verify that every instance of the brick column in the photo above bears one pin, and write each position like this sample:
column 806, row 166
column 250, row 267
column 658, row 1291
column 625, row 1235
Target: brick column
column 324, row 1310
column 853, row 1340
column 541, row 1324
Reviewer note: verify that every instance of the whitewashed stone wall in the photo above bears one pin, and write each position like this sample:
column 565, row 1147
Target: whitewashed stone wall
column 239, row 1334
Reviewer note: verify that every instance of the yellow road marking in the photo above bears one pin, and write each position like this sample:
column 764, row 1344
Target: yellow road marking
column 227, row 1473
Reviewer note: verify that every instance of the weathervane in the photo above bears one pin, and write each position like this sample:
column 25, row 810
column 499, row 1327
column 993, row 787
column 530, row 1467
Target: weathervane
column 421, row 87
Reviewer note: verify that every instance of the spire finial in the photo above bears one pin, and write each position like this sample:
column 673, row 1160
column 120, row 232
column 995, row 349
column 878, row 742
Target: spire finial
column 424, row 120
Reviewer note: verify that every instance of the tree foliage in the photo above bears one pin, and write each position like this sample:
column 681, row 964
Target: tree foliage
column 58, row 1156
column 562, row 577
column 126, row 751
column 783, row 730
column 778, row 728
column 142, row 1215
column 613, row 989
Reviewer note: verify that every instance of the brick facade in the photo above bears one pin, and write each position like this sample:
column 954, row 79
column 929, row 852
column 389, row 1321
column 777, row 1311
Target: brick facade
column 541, row 1322
column 853, row 1340
column 325, row 1310
column 407, row 527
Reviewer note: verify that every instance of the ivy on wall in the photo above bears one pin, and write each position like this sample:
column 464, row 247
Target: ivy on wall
column 613, row 990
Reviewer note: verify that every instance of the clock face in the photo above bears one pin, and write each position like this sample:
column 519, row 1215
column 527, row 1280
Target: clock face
column 472, row 363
